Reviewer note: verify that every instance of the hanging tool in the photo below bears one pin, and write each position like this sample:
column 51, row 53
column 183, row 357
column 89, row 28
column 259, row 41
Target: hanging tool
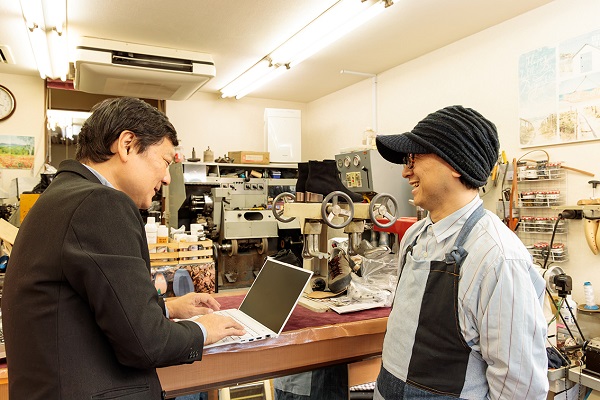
column 511, row 221
column 578, row 170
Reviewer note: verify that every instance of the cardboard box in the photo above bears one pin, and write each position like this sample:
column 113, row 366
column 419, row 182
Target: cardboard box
column 249, row 157
column 27, row 201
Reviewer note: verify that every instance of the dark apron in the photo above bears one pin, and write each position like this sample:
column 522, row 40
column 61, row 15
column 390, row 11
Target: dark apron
column 440, row 355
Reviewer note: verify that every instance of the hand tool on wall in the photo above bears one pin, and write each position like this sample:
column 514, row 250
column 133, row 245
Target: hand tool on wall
column 512, row 222
column 578, row 170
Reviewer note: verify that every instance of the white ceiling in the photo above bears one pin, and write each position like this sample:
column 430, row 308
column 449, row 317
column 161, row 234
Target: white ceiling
column 238, row 33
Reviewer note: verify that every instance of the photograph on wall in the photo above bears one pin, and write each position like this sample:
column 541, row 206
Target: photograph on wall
column 17, row 152
column 559, row 92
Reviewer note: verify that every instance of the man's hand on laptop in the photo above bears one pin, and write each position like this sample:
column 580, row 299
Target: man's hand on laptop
column 219, row 326
column 192, row 304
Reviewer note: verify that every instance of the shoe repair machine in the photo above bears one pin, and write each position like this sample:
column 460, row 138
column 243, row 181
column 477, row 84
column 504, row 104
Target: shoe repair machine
column 336, row 215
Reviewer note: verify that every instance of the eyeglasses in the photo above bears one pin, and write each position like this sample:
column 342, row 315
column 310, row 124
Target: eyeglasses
column 409, row 160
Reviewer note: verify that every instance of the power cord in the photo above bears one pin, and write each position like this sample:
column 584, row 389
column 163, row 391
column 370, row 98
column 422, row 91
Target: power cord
column 549, row 248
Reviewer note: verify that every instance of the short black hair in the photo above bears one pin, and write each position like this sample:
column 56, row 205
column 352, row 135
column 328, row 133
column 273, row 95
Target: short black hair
column 113, row 116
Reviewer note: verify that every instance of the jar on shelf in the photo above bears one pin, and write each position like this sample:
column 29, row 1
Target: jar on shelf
column 539, row 249
column 541, row 224
column 540, row 198
column 527, row 223
column 557, row 251
column 553, row 197
column 527, row 199
column 554, row 169
column 551, row 223
column 542, row 171
column 531, row 172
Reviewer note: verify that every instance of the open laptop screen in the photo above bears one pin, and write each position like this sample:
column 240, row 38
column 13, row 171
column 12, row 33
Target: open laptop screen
column 274, row 293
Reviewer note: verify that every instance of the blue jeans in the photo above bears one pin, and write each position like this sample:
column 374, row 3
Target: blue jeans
column 392, row 388
column 328, row 383
column 197, row 396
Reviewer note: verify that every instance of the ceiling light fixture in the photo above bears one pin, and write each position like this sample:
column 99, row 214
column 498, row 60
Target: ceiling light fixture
column 254, row 73
column 340, row 19
column 46, row 22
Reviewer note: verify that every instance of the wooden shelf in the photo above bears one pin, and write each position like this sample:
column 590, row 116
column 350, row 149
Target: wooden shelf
column 179, row 254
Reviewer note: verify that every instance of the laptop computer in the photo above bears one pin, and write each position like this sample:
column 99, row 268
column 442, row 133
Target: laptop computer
column 269, row 302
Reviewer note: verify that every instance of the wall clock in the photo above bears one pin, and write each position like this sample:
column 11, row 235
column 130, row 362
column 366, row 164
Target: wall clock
column 7, row 103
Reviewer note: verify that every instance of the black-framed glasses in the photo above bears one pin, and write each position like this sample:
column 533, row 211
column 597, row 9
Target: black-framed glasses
column 409, row 160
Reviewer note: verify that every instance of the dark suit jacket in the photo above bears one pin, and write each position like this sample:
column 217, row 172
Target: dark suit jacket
column 81, row 317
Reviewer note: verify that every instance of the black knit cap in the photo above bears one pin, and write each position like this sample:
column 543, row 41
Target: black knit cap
column 461, row 136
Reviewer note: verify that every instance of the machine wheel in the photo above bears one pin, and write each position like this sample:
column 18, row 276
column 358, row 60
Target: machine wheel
column 215, row 249
column 234, row 247
column 383, row 205
column 330, row 211
column 286, row 197
column 264, row 246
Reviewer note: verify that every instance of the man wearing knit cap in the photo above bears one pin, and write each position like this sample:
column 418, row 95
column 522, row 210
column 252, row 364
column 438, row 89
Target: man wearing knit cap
column 467, row 319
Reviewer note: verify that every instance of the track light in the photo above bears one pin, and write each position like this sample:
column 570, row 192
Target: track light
column 341, row 18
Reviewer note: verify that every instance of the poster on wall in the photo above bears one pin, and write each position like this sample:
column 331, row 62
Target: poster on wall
column 559, row 92
column 17, row 152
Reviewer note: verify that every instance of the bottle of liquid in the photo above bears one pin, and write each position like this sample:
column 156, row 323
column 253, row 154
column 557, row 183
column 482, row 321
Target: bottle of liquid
column 151, row 233
column 162, row 237
column 564, row 310
column 209, row 155
column 590, row 303
column 568, row 335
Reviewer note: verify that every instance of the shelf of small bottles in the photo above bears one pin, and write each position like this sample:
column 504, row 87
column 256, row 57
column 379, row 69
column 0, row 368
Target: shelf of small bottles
column 539, row 250
column 540, row 171
column 540, row 198
column 541, row 225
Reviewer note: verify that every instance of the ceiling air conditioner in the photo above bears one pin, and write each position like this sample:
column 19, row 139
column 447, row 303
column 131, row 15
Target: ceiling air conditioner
column 127, row 69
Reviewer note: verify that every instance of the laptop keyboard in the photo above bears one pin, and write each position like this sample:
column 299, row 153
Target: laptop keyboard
column 250, row 333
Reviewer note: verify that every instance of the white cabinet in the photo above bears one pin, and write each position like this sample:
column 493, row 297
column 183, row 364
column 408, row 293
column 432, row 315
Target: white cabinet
column 283, row 129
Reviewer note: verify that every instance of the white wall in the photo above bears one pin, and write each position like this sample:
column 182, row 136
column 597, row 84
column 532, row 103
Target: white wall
column 480, row 71
column 27, row 120
column 223, row 124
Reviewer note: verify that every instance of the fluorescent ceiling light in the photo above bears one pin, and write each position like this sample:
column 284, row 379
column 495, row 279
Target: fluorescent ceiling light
column 336, row 34
column 335, row 22
column 273, row 73
column 46, row 22
column 255, row 73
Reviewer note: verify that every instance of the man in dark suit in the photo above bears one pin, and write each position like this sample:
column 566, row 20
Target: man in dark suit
column 82, row 319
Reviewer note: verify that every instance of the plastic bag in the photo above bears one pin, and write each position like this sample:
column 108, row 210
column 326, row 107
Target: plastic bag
column 377, row 282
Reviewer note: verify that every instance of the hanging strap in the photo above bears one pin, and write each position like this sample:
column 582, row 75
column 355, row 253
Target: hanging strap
column 458, row 253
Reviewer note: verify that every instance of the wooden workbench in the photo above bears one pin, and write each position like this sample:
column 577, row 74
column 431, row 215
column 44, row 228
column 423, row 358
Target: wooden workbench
column 312, row 340
column 297, row 350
